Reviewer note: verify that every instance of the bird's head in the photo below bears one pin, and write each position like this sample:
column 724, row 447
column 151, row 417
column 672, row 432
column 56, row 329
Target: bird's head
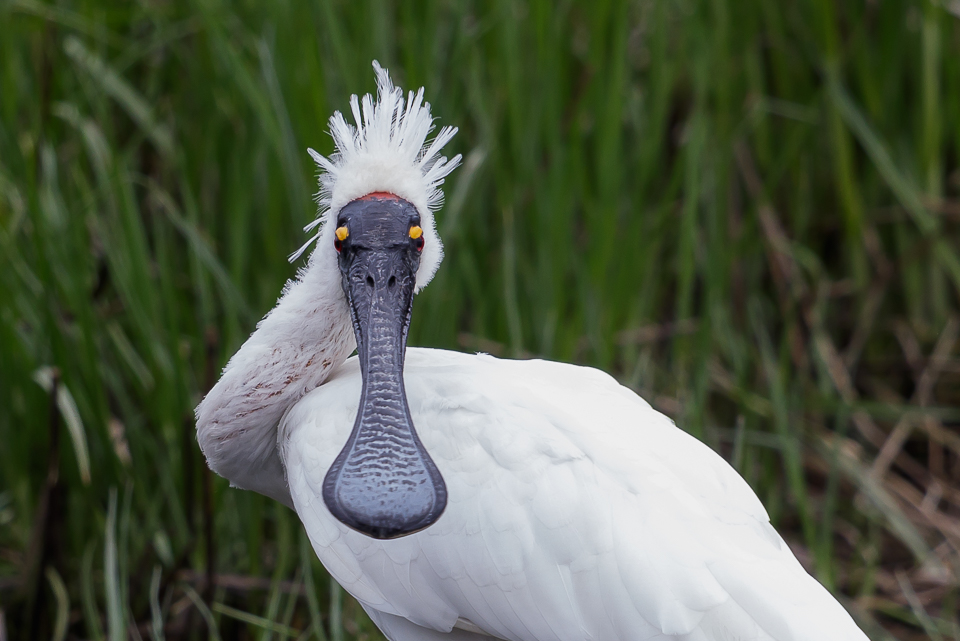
column 377, row 235
column 385, row 156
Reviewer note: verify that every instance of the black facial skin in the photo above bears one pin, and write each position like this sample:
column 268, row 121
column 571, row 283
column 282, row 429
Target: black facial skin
column 383, row 483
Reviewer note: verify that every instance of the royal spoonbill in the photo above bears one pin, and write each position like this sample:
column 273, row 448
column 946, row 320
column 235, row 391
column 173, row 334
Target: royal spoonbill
column 462, row 497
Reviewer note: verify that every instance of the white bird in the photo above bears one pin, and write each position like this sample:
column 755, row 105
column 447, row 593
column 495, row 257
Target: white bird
column 463, row 497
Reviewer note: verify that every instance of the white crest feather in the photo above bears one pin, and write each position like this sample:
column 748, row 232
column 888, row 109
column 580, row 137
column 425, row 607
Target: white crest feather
column 386, row 151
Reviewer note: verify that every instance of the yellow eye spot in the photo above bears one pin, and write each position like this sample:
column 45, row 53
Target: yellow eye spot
column 342, row 233
column 416, row 232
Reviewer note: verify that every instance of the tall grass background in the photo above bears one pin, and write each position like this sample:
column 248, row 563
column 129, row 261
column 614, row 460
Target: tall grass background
column 745, row 210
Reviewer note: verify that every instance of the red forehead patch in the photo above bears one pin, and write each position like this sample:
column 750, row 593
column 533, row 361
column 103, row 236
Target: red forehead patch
column 380, row 194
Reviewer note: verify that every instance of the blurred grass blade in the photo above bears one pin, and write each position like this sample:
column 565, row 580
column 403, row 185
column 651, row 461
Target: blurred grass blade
column 509, row 267
column 129, row 354
column 202, row 251
column 116, row 625
column 156, row 612
column 928, row 625
column 71, row 418
column 62, row 617
column 292, row 598
column 212, row 630
column 285, row 562
column 472, row 165
column 778, row 382
column 253, row 619
column 900, row 525
column 336, row 611
column 881, row 158
column 64, row 17
column 161, row 545
column 296, row 187
column 313, row 604
column 97, row 146
column 120, row 90
column 88, row 595
column 905, row 192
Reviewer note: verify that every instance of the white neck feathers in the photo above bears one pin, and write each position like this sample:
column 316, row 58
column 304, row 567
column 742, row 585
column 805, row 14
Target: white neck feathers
column 293, row 350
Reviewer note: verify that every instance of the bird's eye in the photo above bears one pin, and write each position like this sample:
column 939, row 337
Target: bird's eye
column 416, row 233
column 342, row 233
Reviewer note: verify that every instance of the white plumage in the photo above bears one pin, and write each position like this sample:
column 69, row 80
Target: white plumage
column 576, row 511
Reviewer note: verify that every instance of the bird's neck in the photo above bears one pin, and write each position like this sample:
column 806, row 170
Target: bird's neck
column 294, row 349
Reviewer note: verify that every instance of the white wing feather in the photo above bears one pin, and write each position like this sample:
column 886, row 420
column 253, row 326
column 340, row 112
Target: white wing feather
column 576, row 511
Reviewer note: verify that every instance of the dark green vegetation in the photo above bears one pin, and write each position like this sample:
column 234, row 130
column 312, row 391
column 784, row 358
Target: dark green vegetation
column 747, row 210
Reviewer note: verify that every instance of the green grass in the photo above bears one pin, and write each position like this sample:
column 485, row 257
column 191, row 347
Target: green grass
column 746, row 210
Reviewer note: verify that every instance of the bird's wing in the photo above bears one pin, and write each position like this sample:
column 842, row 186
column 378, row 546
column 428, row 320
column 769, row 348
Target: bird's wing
column 575, row 511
